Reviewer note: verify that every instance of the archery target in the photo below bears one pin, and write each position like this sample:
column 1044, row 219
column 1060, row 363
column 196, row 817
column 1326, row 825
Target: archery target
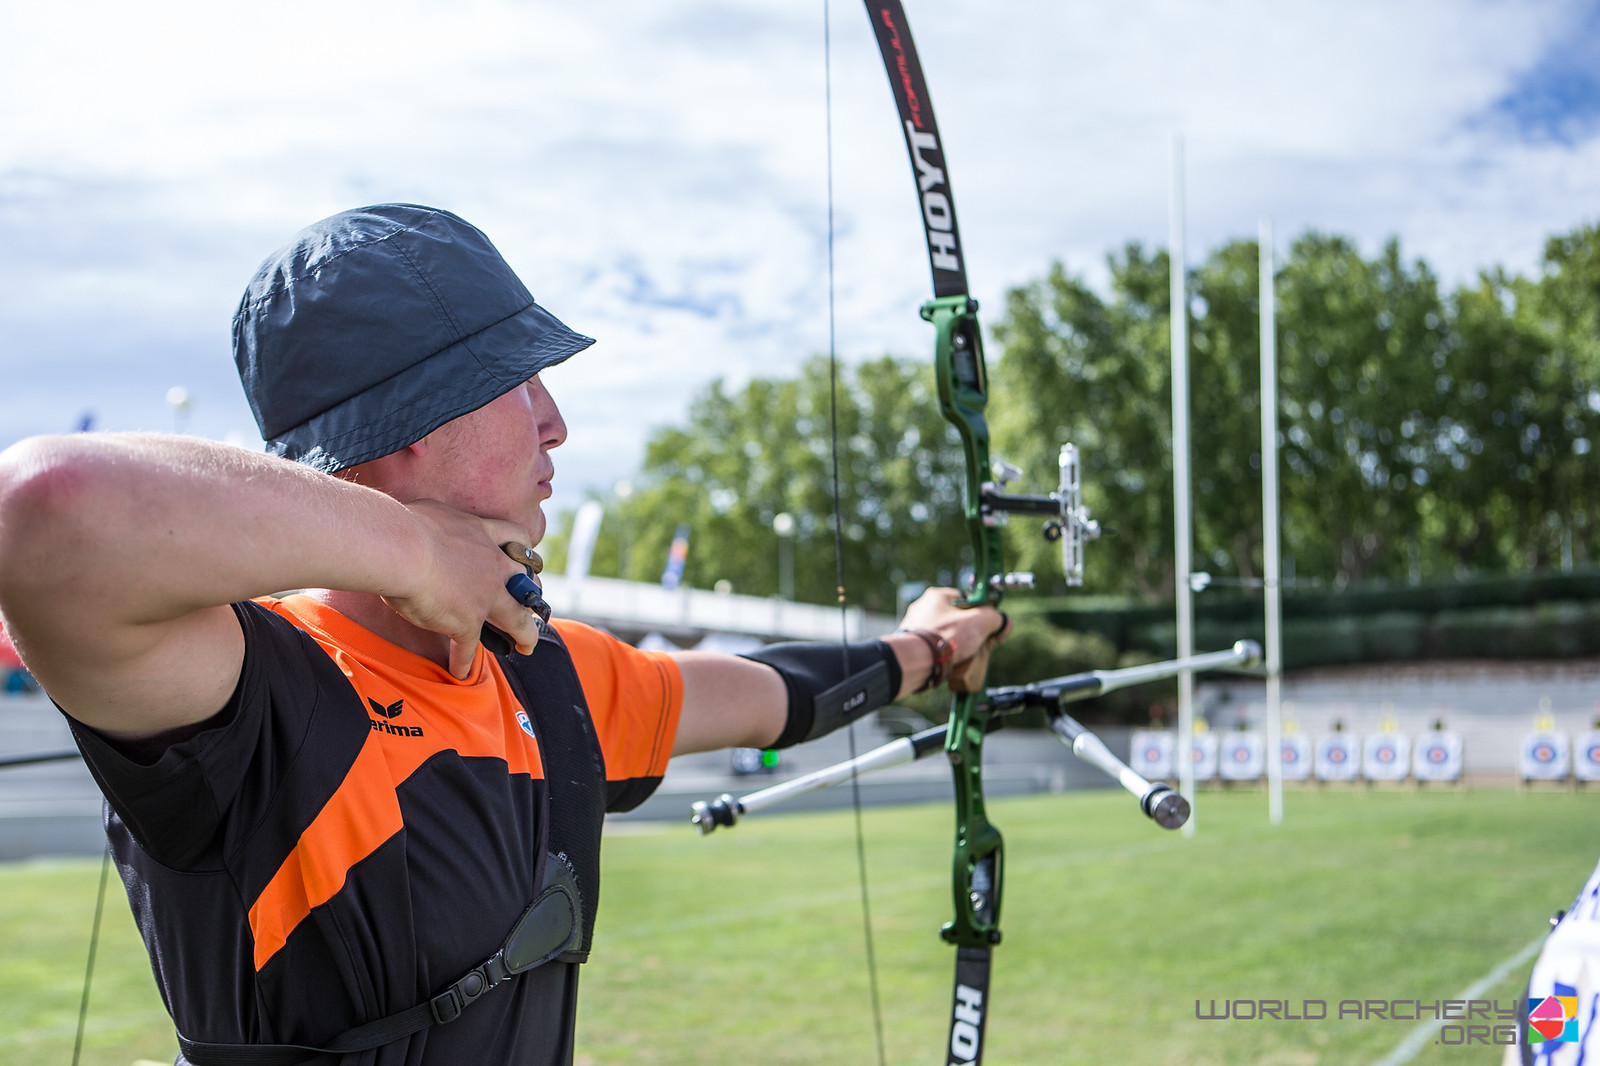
column 1150, row 753
column 1386, row 757
column 1204, row 755
column 1296, row 757
column 1338, row 757
column 1437, row 757
column 1586, row 761
column 1545, row 756
column 1242, row 756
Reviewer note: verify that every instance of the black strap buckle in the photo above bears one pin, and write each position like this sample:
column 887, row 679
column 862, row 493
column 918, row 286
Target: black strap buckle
column 447, row 1006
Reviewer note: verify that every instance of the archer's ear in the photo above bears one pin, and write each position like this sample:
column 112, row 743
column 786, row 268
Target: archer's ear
column 387, row 473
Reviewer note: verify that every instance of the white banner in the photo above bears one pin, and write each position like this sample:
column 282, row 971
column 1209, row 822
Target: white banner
column 580, row 545
column 1545, row 757
column 1561, row 999
column 1386, row 757
column 1338, row 757
column 1204, row 754
column 1296, row 757
column 1586, row 758
column 1243, row 756
column 1150, row 753
column 1437, row 757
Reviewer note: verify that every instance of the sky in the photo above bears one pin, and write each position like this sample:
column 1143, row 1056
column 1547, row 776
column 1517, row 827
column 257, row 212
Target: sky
column 656, row 172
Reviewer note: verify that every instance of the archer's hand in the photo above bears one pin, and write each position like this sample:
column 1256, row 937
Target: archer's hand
column 462, row 584
column 974, row 632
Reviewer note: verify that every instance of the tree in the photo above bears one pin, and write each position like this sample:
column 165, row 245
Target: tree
column 1363, row 346
column 1421, row 436
column 745, row 457
column 1074, row 368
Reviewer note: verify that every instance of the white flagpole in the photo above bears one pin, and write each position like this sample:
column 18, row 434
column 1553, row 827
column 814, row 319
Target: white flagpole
column 1271, row 550
column 1183, row 564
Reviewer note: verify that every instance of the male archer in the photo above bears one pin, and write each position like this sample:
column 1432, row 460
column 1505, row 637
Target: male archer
column 348, row 832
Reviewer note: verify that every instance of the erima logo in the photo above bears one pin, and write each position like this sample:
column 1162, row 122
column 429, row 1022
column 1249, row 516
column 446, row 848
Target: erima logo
column 855, row 701
column 391, row 711
column 966, row 1026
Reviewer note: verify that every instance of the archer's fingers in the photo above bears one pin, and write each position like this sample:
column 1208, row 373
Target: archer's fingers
column 968, row 675
column 504, row 532
column 462, row 654
column 517, row 622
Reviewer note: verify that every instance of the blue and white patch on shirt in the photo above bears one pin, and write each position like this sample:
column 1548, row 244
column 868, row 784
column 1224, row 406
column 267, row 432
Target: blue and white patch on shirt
column 522, row 720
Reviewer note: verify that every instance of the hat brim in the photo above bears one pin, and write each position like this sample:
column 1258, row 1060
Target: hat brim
column 457, row 380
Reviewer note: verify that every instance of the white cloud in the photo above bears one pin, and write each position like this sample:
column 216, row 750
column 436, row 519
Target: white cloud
column 656, row 172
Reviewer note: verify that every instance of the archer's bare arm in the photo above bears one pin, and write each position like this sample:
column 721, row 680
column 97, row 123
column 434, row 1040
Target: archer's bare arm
column 120, row 553
column 733, row 702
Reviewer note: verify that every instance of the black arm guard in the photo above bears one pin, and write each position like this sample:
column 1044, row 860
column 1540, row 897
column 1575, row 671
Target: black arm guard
column 824, row 694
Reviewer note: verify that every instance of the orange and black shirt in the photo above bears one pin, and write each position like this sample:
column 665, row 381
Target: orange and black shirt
column 357, row 829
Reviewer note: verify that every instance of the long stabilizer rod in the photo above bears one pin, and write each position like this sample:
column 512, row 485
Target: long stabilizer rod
column 1091, row 683
column 727, row 809
column 33, row 757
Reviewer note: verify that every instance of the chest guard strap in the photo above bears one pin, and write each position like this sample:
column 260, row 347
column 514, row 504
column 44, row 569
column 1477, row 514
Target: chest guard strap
column 551, row 925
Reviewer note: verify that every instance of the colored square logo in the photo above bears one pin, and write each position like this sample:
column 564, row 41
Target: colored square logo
column 1554, row 1019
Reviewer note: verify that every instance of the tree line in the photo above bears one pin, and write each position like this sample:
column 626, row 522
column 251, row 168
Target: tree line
column 1425, row 434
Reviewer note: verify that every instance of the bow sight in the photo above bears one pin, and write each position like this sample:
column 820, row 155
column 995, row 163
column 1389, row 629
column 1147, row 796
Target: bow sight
column 1069, row 522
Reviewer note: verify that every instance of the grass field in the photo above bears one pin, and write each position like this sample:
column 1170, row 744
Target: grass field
column 746, row 947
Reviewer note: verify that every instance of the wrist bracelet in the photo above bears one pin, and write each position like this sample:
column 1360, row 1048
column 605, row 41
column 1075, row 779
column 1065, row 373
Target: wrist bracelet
column 941, row 650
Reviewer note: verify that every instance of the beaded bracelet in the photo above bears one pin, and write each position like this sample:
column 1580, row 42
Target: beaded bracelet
column 941, row 650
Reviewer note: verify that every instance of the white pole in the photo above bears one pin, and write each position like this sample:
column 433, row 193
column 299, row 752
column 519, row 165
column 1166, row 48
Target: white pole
column 1183, row 523
column 1271, row 551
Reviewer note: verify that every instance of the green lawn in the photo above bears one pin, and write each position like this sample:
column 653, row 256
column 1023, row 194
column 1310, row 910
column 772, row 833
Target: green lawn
column 746, row 947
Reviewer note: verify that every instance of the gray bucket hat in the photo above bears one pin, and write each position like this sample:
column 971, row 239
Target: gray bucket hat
column 376, row 326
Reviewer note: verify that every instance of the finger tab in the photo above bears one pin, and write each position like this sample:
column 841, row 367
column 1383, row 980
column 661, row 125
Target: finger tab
column 523, row 555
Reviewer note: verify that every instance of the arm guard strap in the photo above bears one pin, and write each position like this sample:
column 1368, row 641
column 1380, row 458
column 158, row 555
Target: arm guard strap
column 824, row 693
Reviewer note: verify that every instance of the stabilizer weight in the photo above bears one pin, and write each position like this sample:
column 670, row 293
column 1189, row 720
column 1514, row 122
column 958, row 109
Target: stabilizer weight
column 1165, row 807
column 724, row 810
